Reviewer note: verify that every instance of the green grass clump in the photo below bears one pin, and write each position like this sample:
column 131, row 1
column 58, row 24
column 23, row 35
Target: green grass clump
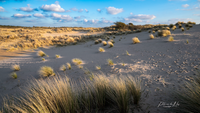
column 46, row 71
column 41, row 53
column 63, row 68
column 14, row 75
column 15, row 67
column 77, row 61
column 170, row 38
column 69, row 66
column 101, row 49
column 135, row 40
column 43, row 59
column 110, row 62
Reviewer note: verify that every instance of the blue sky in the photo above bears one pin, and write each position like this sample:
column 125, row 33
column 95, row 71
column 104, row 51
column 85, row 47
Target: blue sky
column 96, row 13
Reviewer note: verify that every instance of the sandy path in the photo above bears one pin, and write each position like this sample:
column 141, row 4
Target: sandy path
column 163, row 65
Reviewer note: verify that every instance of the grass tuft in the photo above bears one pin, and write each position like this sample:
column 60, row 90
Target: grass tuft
column 101, row 49
column 151, row 36
column 14, row 75
column 170, row 38
column 187, row 41
column 98, row 67
column 110, row 44
column 57, row 56
column 69, row 66
column 77, row 61
column 63, row 68
column 15, row 67
column 43, row 59
column 41, row 53
column 104, row 43
column 136, row 40
column 46, row 71
column 127, row 53
column 110, row 62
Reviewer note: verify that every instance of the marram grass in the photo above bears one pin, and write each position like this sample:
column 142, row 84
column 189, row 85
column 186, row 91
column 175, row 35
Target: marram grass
column 41, row 53
column 69, row 66
column 170, row 38
column 151, row 36
column 77, row 61
column 135, row 40
column 60, row 95
column 15, row 67
column 101, row 49
column 110, row 62
column 46, row 71
column 13, row 75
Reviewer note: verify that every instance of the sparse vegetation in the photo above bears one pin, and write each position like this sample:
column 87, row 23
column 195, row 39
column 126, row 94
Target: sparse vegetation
column 99, row 40
column 98, row 67
column 46, row 71
column 164, row 33
column 57, row 56
column 69, row 66
column 110, row 62
column 96, row 41
column 151, row 36
column 170, row 38
column 127, row 53
column 43, row 59
column 136, row 40
column 187, row 41
column 110, row 44
column 77, row 61
column 41, row 53
column 104, row 43
column 182, row 29
column 13, row 75
column 63, row 68
column 101, row 49
column 15, row 67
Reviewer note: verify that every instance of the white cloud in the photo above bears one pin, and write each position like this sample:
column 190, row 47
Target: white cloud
column 81, row 10
column 62, row 18
column 86, row 11
column 99, row 10
column 131, row 13
column 21, row 15
column 106, row 21
column 38, row 15
column 114, row 11
column 91, row 21
column 185, row 5
column 2, row 9
column 74, row 9
column 139, row 18
column 3, row 18
column 27, row 9
column 85, row 20
column 53, row 7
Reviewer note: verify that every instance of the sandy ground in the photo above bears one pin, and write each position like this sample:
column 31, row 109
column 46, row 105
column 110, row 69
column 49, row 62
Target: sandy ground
column 162, row 65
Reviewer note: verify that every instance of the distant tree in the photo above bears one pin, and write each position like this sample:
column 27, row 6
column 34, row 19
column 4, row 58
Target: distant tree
column 131, row 24
column 120, row 25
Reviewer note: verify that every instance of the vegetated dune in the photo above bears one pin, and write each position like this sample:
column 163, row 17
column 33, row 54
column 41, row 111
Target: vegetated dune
column 162, row 65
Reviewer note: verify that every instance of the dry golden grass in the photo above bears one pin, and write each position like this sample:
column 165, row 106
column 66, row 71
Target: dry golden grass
column 41, row 53
column 69, row 66
column 46, row 71
column 63, row 68
column 98, row 67
column 60, row 95
column 101, row 49
column 151, row 36
column 15, row 67
column 135, row 40
column 104, row 43
column 164, row 33
column 77, row 61
column 110, row 44
column 170, row 38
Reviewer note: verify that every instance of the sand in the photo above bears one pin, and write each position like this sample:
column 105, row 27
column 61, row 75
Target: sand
column 164, row 66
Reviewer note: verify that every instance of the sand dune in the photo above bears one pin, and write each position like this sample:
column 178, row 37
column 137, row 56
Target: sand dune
column 162, row 65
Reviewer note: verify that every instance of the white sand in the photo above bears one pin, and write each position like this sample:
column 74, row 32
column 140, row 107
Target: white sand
column 163, row 65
